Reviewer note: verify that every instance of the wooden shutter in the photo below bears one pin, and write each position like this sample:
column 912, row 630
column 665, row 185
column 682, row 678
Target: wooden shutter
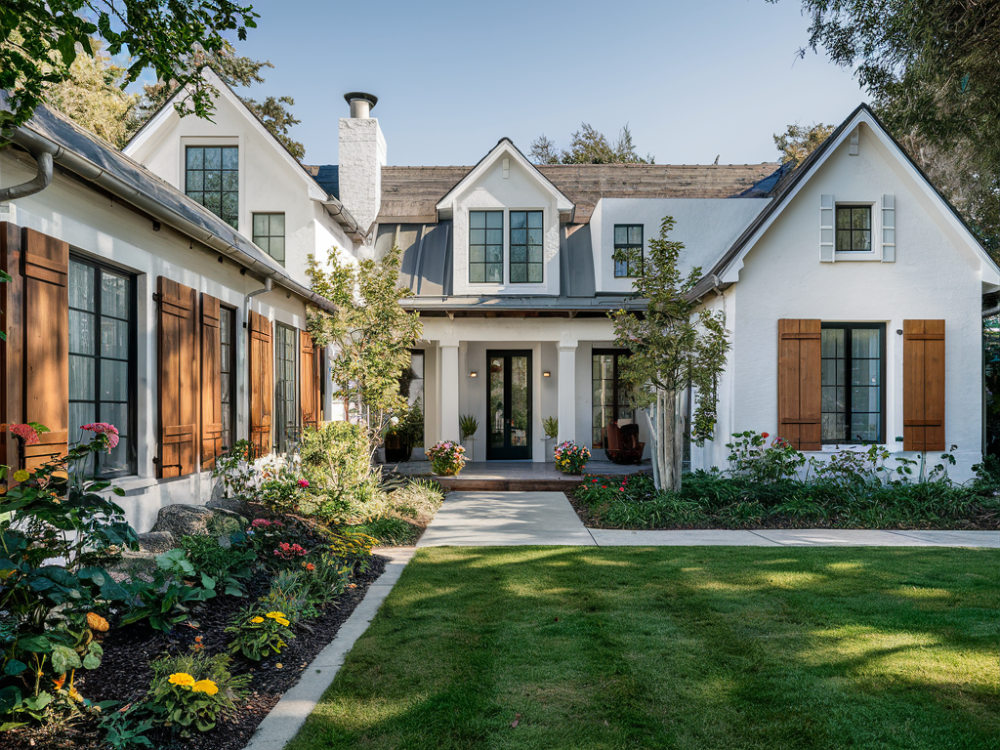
column 888, row 229
column 179, row 378
column 261, row 382
column 309, row 358
column 211, row 381
column 11, row 350
column 800, row 383
column 45, row 323
column 827, row 211
column 923, row 385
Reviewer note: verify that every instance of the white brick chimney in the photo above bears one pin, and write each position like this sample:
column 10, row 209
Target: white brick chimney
column 362, row 156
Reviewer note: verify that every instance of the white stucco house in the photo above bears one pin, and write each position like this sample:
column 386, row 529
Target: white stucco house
column 851, row 289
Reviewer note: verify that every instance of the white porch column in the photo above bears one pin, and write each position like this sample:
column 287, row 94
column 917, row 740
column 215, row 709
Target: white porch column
column 449, row 378
column 567, row 392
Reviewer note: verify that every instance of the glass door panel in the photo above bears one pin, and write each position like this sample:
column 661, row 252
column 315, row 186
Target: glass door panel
column 509, row 393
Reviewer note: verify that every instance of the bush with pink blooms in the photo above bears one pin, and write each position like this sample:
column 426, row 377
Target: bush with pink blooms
column 447, row 458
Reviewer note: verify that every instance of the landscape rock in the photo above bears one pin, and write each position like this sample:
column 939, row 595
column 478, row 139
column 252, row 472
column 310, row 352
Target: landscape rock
column 157, row 542
column 183, row 520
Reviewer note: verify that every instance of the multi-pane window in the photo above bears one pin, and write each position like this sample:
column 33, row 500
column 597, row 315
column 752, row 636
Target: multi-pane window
column 852, row 381
column 610, row 401
column 628, row 250
column 269, row 235
column 227, row 373
column 854, row 229
column 102, row 360
column 526, row 247
column 485, row 247
column 212, row 178
column 286, row 412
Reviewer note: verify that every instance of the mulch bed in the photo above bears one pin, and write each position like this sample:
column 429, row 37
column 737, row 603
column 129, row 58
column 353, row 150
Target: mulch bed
column 125, row 671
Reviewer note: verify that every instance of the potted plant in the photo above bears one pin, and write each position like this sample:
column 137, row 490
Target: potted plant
column 468, row 425
column 404, row 433
column 551, row 427
column 447, row 458
column 571, row 458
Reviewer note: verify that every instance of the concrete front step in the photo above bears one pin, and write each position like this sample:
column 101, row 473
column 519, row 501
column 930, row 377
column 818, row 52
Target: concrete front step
column 477, row 484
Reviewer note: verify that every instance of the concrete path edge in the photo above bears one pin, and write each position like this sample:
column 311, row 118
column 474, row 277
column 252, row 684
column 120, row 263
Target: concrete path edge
column 290, row 713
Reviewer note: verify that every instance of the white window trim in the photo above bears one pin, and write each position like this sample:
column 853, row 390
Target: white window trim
column 875, row 254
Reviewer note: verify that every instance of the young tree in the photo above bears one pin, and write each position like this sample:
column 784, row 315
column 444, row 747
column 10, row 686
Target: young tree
column 543, row 151
column 798, row 141
column 673, row 346
column 589, row 146
column 371, row 332
column 39, row 41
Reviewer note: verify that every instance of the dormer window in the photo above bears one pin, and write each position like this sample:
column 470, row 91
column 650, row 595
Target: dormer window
column 628, row 250
column 485, row 247
column 854, row 229
column 212, row 178
column 526, row 256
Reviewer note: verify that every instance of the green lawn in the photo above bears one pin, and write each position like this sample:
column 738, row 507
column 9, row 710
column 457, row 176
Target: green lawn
column 705, row 648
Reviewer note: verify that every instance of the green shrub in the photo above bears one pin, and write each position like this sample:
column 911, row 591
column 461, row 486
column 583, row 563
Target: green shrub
column 167, row 599
column 343, row 485
column 418, row 498
column 193, row 691
column 257, row 632
column 391, row 531
column 291, row 592
column 228, row 563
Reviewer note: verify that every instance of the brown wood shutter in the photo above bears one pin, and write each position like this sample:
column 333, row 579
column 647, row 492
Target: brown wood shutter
column 923, row 385
column 309, row 358
column 211, row 381
column 261, row 382
column 11, row 351
column 800, row 383
column 45, row 290
column 179, row 378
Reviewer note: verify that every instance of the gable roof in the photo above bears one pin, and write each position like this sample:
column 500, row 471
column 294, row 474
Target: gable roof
column 411, row 194
column 506, row 146
column 726, row 270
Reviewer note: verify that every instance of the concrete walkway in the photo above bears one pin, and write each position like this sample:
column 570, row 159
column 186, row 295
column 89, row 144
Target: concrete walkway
column 496, row 519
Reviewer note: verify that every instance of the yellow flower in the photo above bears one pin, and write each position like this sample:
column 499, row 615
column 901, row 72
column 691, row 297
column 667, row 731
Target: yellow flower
column 181, row 678
column 205, row 686
column 283, row 621
column 21, row 475
column 257, row 620
column 275, row 615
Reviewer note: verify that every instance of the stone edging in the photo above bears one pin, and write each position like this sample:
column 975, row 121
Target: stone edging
column 289, row 714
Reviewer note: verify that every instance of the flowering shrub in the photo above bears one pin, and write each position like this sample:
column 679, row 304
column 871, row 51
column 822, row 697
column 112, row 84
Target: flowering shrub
column 109, row 431
column 257, row 635
column 238, row 472
column 447, row 458
column 355, row 547
column 571, row 458
column 751, row 457
column 192, row 691
column 287, row 551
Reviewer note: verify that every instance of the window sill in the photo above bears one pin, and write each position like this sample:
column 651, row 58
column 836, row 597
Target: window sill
column 857, row 255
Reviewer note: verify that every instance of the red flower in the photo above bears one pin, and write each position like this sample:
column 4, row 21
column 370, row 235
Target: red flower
column 604, row 486
column 26, row 432
column 621, row 489
column 303, row 483
column 763, row 434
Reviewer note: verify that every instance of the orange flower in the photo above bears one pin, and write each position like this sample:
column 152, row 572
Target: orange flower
column 96, row 622
column 60, row 681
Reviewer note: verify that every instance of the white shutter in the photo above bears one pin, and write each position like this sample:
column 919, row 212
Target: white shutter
column 888, row 229
column 826, row 212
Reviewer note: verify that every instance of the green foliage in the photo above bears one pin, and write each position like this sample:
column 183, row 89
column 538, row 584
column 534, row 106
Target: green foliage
column 551, row 427
column 257, row 632
column 468, row 425
column 45, row 629
column 168, row 599
column 353, row 546
column 192, row 691
column 798, row 141
column 589, row 146
column 391, row 531
column 417, row 498
column 39, row 40
column 343, row 485
column 290, row 592
column 126, row 729
column 373, row 334
column 227, row 561
column 750, row 458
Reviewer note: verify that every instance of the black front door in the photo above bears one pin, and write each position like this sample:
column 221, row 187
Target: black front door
column 509, row 410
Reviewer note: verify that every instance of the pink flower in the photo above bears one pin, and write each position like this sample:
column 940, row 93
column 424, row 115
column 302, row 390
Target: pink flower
column 26, row 432
column 303, row 483
column 103, row 428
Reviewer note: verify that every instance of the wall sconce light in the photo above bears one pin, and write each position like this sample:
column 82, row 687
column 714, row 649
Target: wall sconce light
column 473, row 374
column 546, row 374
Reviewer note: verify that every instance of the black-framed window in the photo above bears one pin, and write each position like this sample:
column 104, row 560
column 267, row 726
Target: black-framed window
column 854, row 229
column 227, row 374
column 102, row 345
column 609, row 398
column 212, row 177
column 269, row 234
column 526, row 247
column 628, row 250
column 853, row 382
column 485, row 247
column 286, row 411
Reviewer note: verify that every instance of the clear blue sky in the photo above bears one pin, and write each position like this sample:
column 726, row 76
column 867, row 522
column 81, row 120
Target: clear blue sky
column 693, row 79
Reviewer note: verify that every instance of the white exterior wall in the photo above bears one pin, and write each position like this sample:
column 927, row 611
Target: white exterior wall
column 707, row 227
column 269, row 179
column 111, row 231
column 520, row 190
column 935, row 276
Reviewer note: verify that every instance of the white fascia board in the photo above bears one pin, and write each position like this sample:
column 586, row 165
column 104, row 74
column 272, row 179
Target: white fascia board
column 506, row 148
column 989, row 271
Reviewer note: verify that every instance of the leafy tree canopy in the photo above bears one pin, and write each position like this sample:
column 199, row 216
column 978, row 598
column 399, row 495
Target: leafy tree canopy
column 933, row 72
column 589, row 146
column 40, row 41
column 798, row 141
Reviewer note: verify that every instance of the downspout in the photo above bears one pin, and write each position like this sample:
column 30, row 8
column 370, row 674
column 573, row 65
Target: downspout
column 268, row 286
column 42, row 153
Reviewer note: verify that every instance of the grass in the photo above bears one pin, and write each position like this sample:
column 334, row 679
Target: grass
column 707, row 648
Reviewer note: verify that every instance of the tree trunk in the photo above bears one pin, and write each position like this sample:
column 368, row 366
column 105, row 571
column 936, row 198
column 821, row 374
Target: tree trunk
column 670, row 428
